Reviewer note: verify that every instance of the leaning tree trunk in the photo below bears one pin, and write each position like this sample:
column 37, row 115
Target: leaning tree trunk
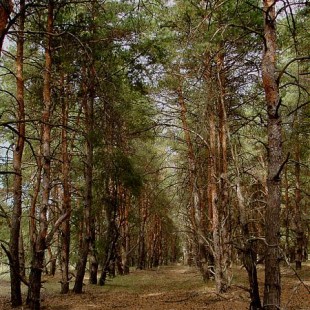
column 15, row 270
column 88, row 172
column 272, row 290
column 39, row 246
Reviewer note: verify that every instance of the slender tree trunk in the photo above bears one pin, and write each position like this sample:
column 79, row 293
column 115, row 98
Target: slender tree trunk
column 125, row 244
column 288, row 211
column 215, row 212
column 212, row 190
column 299, row 252
column 196, row 205
column 190, row 158
column 66, row 199
column 142, row 231
column 156, row 242
column 224, row 216
column 272, row 292
column 15, row 270
column 88, row 173
column 34, row 289
column 93, row 260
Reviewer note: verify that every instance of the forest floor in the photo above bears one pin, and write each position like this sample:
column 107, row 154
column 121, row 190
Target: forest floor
column 167, row 288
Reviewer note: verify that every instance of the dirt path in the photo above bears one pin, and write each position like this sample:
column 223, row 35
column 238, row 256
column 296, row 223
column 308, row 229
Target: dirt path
column 173, row 288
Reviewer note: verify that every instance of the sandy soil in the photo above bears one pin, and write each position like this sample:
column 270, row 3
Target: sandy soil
column 167, row 288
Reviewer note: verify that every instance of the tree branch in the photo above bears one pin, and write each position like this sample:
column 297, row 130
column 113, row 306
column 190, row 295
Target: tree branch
column 277, row 176
column 288, row 64
column 49, row 237
column 12, row 265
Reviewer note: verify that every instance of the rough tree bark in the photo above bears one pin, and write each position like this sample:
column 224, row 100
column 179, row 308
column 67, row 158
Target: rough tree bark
column 15, row 270
column 272, row 290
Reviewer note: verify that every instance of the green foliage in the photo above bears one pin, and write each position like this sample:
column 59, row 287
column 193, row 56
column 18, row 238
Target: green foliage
column 126, row 173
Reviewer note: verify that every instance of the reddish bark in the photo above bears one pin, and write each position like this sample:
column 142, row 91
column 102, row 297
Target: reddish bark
column 272, row 292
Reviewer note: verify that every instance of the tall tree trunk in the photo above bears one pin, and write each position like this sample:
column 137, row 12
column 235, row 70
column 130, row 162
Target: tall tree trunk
column 143, row 206
column 196, row 204
column 125, row 244
column 190, row 158
column 212, row 197
column 272, row 291
column 215, row 212
column 288, row 211
column 15, row 270
column 66, row 198
column 39, row 247
column 93, row 260
column 223, row 196
column 33, row 233
column 299, row 252
column 88, row 173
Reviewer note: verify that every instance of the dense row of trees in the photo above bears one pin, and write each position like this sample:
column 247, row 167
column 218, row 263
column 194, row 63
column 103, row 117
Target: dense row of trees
column 140, row 134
